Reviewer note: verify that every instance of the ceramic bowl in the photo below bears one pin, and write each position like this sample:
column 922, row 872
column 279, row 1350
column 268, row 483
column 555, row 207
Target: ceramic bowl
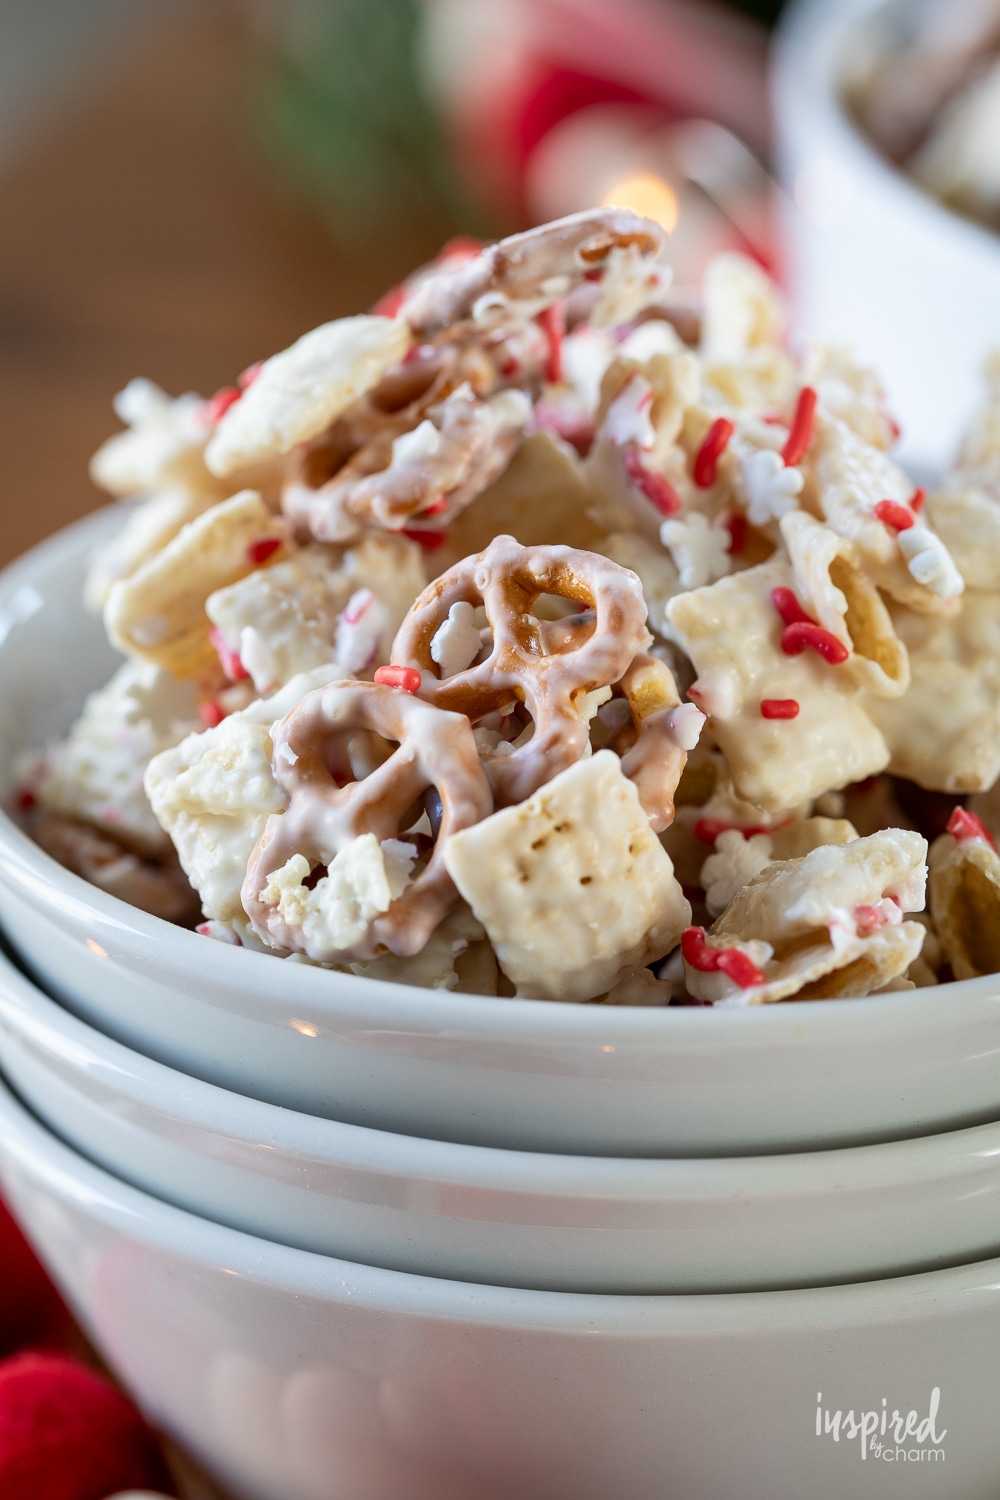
column 291, row 1376
column 511, row 1218
column 528, row 1075
column 873, row 261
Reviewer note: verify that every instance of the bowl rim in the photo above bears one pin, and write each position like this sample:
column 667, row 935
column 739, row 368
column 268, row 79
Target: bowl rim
column 200, row 964
column 32, row 1155
column 56, row 1036
column 807, row 63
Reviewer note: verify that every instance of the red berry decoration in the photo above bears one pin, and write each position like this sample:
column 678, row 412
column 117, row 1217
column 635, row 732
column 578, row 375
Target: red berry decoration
column 68, row 1434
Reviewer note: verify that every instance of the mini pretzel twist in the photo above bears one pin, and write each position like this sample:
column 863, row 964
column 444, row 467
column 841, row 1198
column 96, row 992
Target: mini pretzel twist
column 522, row 268
column 434, row 750
column 531, row 661
column 352, row 476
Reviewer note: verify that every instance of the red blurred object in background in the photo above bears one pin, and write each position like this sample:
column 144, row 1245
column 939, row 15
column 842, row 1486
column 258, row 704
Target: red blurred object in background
column 66, row 1433
column 659, row 105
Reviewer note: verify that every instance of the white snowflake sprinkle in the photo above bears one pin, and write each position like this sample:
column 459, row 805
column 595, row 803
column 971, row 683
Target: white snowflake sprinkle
column 733, row 865
column 770, row 486
column 700, row 550
column 456, row 642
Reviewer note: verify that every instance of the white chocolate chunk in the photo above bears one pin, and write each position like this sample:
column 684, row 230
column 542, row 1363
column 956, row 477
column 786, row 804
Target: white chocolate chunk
column 571, row 885
column 158, row 613
column 283, row 619
column 214, row 792
column 362, row 881
column 96, row 773
column 301, row 391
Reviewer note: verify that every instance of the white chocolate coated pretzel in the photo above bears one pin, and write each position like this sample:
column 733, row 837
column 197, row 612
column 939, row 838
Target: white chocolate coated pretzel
column 531, row 269
column 547, row 669
column 435, row 750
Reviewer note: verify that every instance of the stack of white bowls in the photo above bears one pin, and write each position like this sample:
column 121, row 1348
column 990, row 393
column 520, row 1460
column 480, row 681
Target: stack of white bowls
column 348, row 1240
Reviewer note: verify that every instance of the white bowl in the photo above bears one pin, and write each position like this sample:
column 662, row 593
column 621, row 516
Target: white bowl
column 874, row 262
column 530, row 1075
column 511, row 1218
column 291, row 1376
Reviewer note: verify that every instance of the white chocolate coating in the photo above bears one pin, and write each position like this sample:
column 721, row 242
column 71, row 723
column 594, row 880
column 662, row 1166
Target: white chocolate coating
column 571, row 885
column 299, row 392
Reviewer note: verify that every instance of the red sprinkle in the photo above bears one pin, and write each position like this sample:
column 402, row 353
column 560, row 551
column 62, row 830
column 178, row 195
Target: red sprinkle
column 230, row 659
column 740, row 967
column 26, row 799
column 708, row 455
column 795, row 638
column 204, row 929
column 789, row 608
column 917, row 500
column 211, row 713
column 963, row 825
column 259, row 552
column 429, row 540
column 407, row 678
column 510, row 366
column 732, row 961
column 247, row 377
column 707, row 830
column 552, row 321
column 220, row 403
column 897, row 517
column 869, row 919
column 779, row 708
column 736, row 525
column 801, row 433
column 436, row 508
column 656, row 487
column 695, row 950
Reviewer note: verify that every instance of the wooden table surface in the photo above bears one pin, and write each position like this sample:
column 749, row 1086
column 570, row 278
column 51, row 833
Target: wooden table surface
column 145, row 235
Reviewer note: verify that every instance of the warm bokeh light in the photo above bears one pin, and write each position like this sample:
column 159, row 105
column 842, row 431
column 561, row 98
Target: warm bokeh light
column 645, row 194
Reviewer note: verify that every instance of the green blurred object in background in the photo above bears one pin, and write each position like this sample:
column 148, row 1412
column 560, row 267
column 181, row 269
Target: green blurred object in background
column 344, row 113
